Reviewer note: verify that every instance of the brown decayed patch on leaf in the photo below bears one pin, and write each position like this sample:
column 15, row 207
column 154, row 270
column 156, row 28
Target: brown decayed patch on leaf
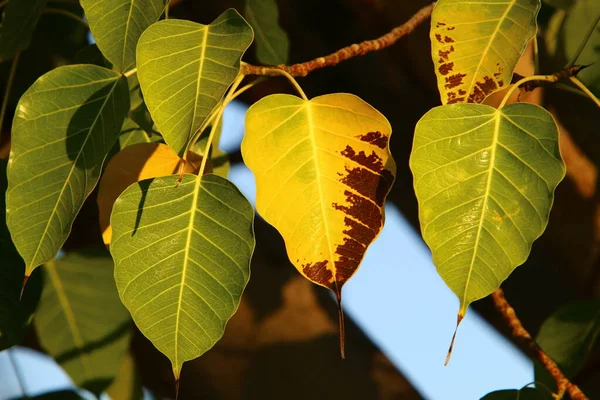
column 450, row 28
column 482, row 89
column 444, row 54
column 452, row 98
column 372, row 162
column 462, row 92
column 440, row 24
column 375, row 138
column 439, row 38
column 448, row 39
column 454, row 80
column 318, row 272
column 445, row 69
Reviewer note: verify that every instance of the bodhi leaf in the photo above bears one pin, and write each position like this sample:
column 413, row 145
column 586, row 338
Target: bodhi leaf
column 15, row 312
column 132, row 164
column 568, row 337
column 323, row 170
column 182, row 259
column 485, row 181
column 131, row 134
column 184, row 69
column 272, row 43
column 64, row 126
column 475, row 45
column 19, row 20
column 80, row 321
column 118, row 24
column 514, row 394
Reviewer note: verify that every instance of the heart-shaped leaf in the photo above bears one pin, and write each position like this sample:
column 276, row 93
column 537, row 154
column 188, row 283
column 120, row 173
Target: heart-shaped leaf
column 514, row 394
column 272, row 43
column 485, row 181
column 118, row 24
column 80, row 321
column 64, row 126
column 184, row 69
column 475, row 45
column 323, row 170
column 19, row 20
column 182, row 259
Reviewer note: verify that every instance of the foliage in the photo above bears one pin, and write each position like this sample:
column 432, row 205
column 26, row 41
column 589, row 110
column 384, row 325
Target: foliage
column 141, row 113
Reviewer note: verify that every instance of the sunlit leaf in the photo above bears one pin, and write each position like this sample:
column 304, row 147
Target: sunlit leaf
column 64, row 126
column 118, row 24
column 485, row 181
column 182, row 259
column 19, row 20
column 272, row 43
column 514, row 394
column 15, row 312
column 132, row 164
column 475, row 45
column 185, row 68
column 568, row 337
column 323, row 170
column 80, row 321
column 127, row 385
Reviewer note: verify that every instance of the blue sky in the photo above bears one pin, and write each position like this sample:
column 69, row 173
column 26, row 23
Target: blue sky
column 396, row 297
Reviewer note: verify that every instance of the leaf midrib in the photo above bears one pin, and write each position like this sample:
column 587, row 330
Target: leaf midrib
column 486, row 196
column 30, row 266
column 70, row 316
column 125, row 36
column 198, row 84
column 489, row 45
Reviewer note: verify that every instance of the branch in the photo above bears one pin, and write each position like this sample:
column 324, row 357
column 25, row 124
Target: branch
column 303, row 69
column 518, row 331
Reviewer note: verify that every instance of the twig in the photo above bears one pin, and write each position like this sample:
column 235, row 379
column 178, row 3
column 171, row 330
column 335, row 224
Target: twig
column 11, row 78
column 518, row 331
column 303, row 69
column 585, row 90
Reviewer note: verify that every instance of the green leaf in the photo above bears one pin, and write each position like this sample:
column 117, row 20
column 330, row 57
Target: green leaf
column 182, row 259
column 184, row 69
column 64, row 126
column 131, row 133
column 485, row 181
column 80, row 321
column 272, row 43
column 127, row 385
column 18, row 24
column 568, row 336
column 577, row 22
column 118, row 24
column 475, row 45
column 514, row 394
column 15, row 312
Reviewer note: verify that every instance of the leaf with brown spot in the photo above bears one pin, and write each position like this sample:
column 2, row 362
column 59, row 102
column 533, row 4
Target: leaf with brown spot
column 323, row 170
column 480, row 41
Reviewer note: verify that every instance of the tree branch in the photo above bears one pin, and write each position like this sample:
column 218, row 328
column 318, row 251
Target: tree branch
column 303, row 69
column 518, row 331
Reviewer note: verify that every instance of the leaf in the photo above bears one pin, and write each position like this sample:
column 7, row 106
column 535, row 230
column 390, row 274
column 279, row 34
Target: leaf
column 578, row 20
column 118, row 24
column 514, row 394
column 561, row 4
column 219, row 159
column 272, row 43
column 323, row 170
column 568, row 336
column 64, row 126
column 80, row 321
column 131, row 133
column 484, row 179
column 127, row 385
column 132, row 164
column 182, row 259
column 184, row 69
column 475, row 45
column 18, row 24
column 15, row 312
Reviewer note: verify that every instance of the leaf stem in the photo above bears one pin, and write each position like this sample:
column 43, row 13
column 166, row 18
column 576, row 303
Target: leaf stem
column 17, row 371
column 67, row 14
column 248, row 86
column 289, row 77
column 547, row 78
column 583, row 43
column 11, row 78
column 130, row 72
column 585, row 90
column 519, row 332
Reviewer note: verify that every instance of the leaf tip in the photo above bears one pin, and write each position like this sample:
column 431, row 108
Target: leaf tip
column 25, row 279
column 338, row 296
column 459, row 318
column 176, row 388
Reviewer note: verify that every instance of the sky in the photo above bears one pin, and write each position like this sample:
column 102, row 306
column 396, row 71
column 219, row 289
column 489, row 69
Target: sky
column 396, row 297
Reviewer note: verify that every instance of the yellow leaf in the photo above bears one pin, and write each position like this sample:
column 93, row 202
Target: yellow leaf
column 323, row 169
column 135, row 163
